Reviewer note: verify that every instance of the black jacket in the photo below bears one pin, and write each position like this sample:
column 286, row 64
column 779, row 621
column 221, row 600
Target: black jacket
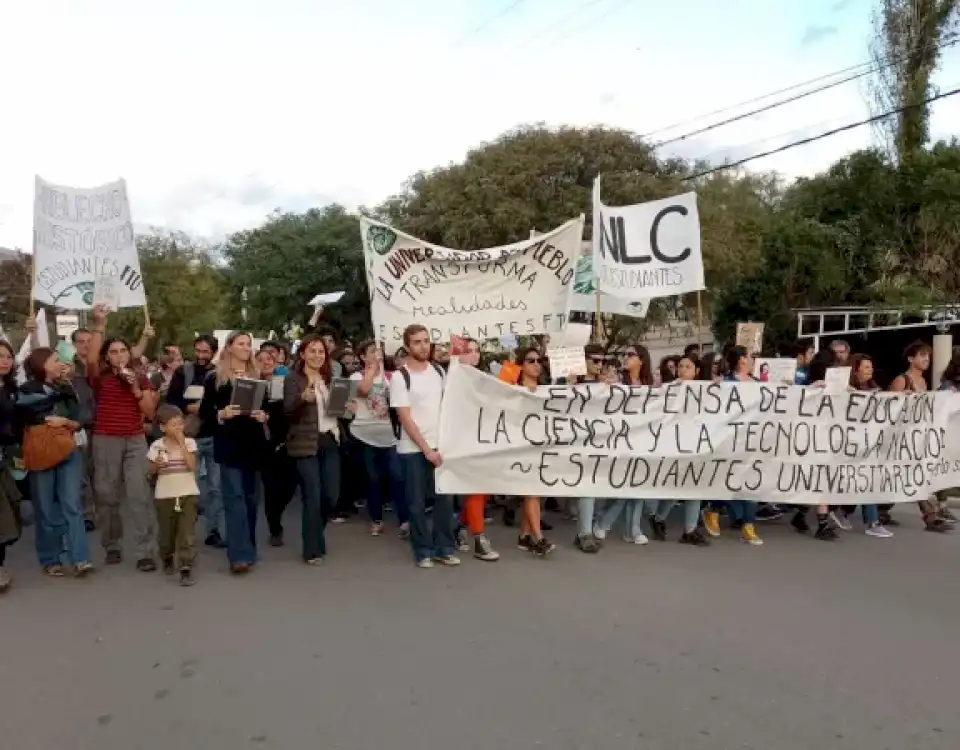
column 240, row 442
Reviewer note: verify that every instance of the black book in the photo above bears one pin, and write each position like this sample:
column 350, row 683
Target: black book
column 248, row 394
column 341, row 391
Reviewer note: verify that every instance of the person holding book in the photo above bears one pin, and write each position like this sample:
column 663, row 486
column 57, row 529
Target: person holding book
column 313, row 441
column 173, row 461
column 234, row 404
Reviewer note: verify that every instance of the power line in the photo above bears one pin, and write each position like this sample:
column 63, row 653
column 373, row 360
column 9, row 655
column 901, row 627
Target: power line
column 827, row 134
column 785, row 134
column 562, row 22
column 874, row 66
column 588, row 24
column 788, row 100
column 483, row 25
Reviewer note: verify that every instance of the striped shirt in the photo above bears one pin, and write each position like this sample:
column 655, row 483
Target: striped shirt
column 118, row 411
column 174, row 479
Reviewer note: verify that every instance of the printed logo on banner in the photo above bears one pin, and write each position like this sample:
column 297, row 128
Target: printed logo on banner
column 583, row 294
column 648, row 250
column 80, row 234
column 698, row 440
column 381, row 238
column 518, row 289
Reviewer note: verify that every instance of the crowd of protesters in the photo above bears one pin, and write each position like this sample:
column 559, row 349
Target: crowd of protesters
column 97, row 436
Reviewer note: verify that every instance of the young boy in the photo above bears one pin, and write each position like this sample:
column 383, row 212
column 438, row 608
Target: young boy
column 173, row 461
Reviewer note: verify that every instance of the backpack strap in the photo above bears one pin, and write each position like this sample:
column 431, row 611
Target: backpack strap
column 405, row 374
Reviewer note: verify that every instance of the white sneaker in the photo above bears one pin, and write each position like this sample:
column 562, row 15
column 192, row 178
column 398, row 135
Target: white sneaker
column 449, row 561
column 840, row 521
column 599, row 532
column 425, row 563
column 638, row 539
column 875, row 529
column 482, row 550
column 5, row 579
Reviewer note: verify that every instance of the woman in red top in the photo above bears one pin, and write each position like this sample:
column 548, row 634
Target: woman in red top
column 124, row 398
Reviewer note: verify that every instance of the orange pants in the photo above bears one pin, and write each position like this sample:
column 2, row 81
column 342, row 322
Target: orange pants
column 472, row 515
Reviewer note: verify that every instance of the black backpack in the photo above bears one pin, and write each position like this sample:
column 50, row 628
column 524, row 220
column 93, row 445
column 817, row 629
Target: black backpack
column 405, row 374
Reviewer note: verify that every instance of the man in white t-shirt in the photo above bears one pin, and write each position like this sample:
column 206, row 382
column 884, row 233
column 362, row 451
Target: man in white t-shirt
column 416, row 391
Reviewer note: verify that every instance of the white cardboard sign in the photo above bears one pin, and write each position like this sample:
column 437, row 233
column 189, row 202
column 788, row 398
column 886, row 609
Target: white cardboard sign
column 518, row 289
column 696, row 441
column 80, row 235
column 647, row 250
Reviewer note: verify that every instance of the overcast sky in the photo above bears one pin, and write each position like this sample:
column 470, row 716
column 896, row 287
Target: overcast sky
column 219, row 111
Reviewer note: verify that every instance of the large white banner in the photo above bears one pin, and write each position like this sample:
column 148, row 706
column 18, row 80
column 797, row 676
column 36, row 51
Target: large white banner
column 80, row 234
column 647, row 250
column 583, row 294
column 517, row 289
column 705, row 441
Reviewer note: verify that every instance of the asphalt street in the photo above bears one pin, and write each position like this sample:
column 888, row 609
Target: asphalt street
column 796, row 644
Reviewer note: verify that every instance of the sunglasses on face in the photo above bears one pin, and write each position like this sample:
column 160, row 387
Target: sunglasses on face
column 534, row 361
column 595, row 360
column 632, row 354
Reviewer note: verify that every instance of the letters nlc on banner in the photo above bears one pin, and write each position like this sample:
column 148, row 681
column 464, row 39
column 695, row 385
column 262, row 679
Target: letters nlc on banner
column 647, row 250
column 80, row 234
column 514, row 289
column 699, row 441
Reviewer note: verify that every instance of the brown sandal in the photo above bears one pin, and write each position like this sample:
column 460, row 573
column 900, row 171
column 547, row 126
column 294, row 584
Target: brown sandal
column 54, row 571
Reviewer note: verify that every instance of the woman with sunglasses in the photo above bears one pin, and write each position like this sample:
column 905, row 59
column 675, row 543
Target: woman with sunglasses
column 531, row 537
column 636, row 367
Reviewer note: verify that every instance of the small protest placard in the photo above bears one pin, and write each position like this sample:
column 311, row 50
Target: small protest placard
column 750, row 336
column 837, row 379
column 779, row 370
column 566, row 361
column 67, row 324
column 106, row 291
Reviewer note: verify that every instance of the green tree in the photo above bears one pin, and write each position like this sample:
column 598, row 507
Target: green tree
column 293, row 257
column 186, row 292
column 906, row 51
column 16, row 276
column 538, row 178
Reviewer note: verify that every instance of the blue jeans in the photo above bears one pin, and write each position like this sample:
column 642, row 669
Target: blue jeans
column 633, row 518
column 691, row 512
column 239, row 487
column 743, row 510
column 427, row 542
column 870, row 514
column 208, row 480
column 58, row 499
column 319, row 491
column 384, row 483
column 585, row 509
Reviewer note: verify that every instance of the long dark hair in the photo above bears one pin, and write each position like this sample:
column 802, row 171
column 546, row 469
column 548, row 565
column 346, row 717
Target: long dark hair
column 855, row 361
column 326, row 369
column 105, row 348
column 9, row 381
column 665, row 375
column 646, row 369
column 733, row 356
column 521, row 354
column 705, row 366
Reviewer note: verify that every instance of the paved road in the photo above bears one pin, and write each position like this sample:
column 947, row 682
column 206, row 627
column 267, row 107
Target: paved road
column 793, row 645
